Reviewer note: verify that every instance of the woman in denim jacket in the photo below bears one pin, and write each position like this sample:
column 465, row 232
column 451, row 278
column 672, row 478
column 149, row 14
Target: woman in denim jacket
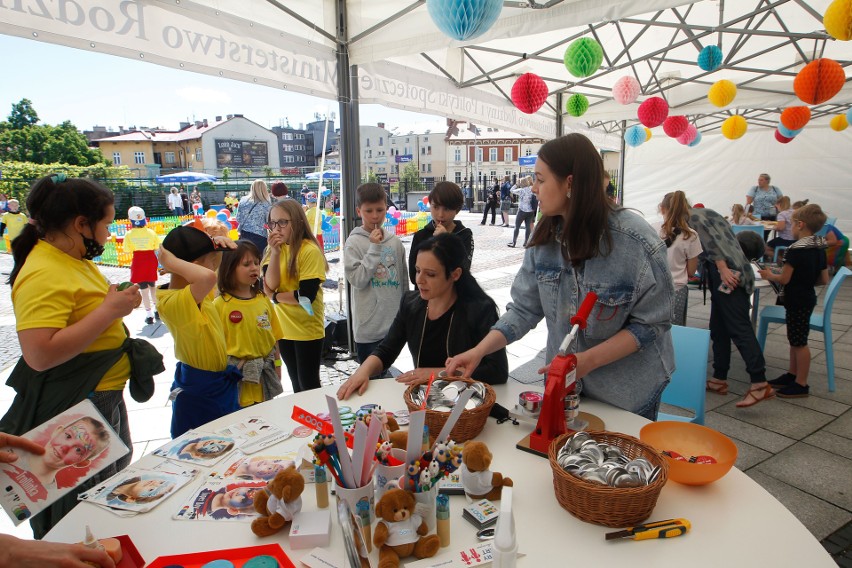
column 585, row 243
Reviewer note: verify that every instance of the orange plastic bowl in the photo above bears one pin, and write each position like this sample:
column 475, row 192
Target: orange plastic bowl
column 688, row 440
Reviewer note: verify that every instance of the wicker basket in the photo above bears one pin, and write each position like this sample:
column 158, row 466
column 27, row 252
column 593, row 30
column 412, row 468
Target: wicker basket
column 603, row 505
column 470, row 423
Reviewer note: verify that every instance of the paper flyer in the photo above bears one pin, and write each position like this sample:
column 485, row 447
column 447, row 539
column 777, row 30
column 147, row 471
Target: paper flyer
column 254, row 434
column 202, row 448
column 78, row 444
column 254, row 468
column 136, row 490
column 222, row 500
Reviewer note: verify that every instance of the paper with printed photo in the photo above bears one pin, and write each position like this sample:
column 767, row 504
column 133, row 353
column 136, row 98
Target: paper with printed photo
column 222, row 500
column 254, row 468
column 254, row 434
column 78, row 444
column 137, row 490
column 202, row 448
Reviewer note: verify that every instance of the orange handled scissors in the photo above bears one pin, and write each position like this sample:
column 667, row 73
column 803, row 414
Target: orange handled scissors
column 660, row 529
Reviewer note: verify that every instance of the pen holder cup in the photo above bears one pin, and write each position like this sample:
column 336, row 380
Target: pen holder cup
column 601, row 504
column 427, row 507
column 387, row 476
column 362, row 500
column 470, row 423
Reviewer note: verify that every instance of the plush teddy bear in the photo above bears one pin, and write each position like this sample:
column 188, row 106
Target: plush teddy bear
column 279, row 503
column 400, row 532
column 478, row 481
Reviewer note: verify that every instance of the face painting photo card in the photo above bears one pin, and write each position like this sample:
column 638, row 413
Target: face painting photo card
column 78, row 444
column 254, row 434
column 222, row 500
column 136, row 490
column 254, row 468
column 196, row 447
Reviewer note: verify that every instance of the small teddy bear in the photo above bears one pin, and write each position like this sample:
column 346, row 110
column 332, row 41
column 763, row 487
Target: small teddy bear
column 400, row 532
column 478, row 481
column 279, row 503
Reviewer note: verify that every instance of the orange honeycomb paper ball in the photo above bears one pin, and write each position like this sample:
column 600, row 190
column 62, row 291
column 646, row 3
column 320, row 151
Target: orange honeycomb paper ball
column 819, row 81
column 796, row 117
column 734, row 127
column 838, row 20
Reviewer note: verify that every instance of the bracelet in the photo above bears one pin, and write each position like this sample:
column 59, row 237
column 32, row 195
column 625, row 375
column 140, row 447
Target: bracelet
column 275, row 297
column 296, row 295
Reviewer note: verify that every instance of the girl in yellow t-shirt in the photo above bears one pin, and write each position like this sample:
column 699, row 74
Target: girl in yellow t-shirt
column 295, row 268
column 251, row 324
column 65, row 313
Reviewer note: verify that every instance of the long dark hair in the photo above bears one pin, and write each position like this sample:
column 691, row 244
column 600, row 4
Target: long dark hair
column 450, row 252
column 55, row 201
column 587, row 210
column 226, row 281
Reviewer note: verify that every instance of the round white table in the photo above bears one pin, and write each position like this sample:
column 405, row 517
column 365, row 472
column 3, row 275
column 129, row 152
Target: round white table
column 735, row 522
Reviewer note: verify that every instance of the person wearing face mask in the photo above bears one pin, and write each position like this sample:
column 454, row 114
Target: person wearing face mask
column 586, row 243
column 69, row 321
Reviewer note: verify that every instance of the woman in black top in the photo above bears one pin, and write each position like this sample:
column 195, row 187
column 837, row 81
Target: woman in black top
column 449, row 314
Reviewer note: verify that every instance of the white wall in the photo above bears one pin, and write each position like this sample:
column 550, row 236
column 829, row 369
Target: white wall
column 816, row 165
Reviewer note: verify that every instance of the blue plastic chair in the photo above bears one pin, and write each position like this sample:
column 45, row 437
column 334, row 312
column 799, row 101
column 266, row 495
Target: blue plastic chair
column 687, row 388
column 755, row 228
column 778, row 250
column 819, row 321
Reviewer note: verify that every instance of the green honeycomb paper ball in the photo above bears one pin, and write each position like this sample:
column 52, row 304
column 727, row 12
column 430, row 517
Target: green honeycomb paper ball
column 583, row 57
column 577, row 105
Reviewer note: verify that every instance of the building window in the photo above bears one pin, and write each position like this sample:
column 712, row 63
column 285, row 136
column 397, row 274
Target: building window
column 198, row 157
column 509, row 173
column 289, row 159
column 528, row 151
column 116, row 158
column 300, row 136
column 369, row 153
column 170, row 157
column 288, row 147
column 381, row 140
column 300, row 147
column 429, row 168
column 429, row 150
column 422, row 151
column 139, row 157
column 458, row 178
column 507, row 154
column 458, row 154
column 479, row 152
column 368, row 142
column 492, row 154
column 286, row 135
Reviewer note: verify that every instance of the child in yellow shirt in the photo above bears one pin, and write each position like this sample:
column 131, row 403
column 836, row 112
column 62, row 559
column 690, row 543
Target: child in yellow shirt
column 251, row 324
column 13, row 220
column 205, row 386
column 142, row 242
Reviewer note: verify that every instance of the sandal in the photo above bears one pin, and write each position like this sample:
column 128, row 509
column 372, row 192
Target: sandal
column 755, row 395
column 717, row 386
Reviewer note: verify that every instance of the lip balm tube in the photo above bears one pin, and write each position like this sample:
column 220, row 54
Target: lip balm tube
column 321, row 484
column 443, row 514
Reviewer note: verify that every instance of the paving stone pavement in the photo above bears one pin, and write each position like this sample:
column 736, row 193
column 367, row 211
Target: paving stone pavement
column 799, row 450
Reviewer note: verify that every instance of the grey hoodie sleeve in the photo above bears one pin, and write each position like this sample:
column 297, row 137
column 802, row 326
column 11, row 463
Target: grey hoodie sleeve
column 360, row 260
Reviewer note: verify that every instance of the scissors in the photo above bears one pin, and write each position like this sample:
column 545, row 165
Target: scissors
column 661, row 529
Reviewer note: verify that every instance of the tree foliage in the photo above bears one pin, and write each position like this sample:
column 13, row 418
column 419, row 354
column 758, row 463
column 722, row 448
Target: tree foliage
column 22, row 139
column 17, row 177
column 410, row 177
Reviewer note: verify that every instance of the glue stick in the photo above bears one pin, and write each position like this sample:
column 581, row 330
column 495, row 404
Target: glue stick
column 321, row 484
column 443, row 514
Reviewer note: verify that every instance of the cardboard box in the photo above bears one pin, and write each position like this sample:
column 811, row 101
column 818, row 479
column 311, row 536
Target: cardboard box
column 310, row 529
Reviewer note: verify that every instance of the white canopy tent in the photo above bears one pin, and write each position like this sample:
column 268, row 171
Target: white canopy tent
column 390, row 52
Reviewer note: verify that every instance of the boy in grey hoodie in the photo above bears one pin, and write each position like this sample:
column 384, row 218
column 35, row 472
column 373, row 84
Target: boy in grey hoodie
column 374, row 264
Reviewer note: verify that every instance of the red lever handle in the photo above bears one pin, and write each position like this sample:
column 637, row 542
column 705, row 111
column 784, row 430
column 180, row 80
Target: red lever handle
column 585, row 309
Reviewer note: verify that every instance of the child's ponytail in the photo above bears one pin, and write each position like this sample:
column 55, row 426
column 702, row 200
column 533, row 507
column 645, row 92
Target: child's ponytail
column 53, row 202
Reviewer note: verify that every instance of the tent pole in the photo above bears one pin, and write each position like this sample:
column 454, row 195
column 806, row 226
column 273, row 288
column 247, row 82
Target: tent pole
column 620, row 189
column 350, row 165
column 560, row 104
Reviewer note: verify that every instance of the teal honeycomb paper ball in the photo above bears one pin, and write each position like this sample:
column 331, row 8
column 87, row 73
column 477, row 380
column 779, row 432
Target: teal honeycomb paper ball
column 583, row 57
column 710, row 58
column 577, row 105
column 464, row 19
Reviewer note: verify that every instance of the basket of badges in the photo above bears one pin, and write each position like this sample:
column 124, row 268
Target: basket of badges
column 606, row 478
column 441, row 400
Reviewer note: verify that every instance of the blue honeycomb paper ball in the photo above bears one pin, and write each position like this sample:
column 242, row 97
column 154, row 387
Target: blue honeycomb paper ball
column 849, row 116
column 786, row 132
column 464, row 19
column 696, row 141
column 710, row 58
column 634, row 136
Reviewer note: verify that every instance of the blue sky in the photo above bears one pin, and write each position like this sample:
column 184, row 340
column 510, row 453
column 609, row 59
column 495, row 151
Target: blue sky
column 95, row 89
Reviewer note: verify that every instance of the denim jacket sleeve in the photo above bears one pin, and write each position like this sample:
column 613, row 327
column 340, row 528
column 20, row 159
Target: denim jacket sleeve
column 525, row 310
column 651, row 314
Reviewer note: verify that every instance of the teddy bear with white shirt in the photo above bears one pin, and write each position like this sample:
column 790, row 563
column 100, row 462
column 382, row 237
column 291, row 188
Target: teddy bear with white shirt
column 478, row 481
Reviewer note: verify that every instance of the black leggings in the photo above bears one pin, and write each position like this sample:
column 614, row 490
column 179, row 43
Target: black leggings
column 492, row 205
column 302, row 359
column 525, row 217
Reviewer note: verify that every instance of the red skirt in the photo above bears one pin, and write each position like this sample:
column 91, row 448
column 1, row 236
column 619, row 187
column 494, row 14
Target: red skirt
column 144, row 267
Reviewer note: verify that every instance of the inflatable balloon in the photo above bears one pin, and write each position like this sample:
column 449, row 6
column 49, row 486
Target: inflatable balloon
column 325, row 227
column 426, row 200
column 226, row 211
column 233, row 234
column 392, row 209
column 397, row 214
column 394, row 222
column 211, row 213
column 222, row 217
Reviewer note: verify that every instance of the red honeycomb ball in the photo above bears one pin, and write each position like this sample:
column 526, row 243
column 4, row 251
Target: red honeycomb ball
column 529, row 93
column 653, row 112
